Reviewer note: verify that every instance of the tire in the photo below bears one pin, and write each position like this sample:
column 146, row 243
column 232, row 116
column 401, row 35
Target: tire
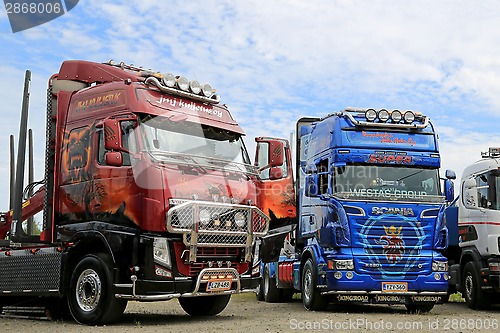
column 204, row 305
column 271, row 292
column 259, row 292
column 90, row 298
column 475, row 297
column 419, row 308
column 311, row 297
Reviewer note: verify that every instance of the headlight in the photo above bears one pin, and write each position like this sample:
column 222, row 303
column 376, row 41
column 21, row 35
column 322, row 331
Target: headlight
column 344, row 264
column 169, row 80
column 161, row 253
column 383, row 115
column 409, row 117
column 440, row 266
column 207, row 90
column 183, row 83
column 396, row 116
column 204, row 217
column 494, row 267
column 239, row 219
column 371, row 115
column 195, row 87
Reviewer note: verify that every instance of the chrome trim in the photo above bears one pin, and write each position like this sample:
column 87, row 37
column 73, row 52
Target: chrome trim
column 363, row 213
column 195, row 292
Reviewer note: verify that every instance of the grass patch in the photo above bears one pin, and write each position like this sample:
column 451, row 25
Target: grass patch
column 456, row 298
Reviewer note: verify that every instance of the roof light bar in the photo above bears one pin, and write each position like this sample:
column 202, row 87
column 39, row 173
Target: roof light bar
column 169, row 83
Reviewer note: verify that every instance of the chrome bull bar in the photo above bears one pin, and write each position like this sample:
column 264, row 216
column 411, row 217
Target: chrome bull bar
column 215, row 224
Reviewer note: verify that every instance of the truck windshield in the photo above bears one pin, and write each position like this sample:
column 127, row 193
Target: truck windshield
column 382, row 183
column 193, row 143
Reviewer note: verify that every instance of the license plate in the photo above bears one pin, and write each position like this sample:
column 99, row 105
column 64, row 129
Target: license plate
column 391, row 287
column 219, row 285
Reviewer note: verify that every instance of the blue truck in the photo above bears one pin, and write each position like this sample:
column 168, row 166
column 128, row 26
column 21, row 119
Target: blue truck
column 370, row 224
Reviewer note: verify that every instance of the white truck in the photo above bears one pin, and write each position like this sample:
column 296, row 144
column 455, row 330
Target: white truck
column 476, row 273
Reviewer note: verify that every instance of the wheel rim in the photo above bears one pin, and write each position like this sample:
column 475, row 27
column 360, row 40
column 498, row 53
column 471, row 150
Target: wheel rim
column 307, row 285
column 469, row 286
column 88, row 290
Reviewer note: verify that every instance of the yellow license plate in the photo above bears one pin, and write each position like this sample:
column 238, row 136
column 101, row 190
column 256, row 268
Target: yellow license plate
column 220, row 285
column 394, row 287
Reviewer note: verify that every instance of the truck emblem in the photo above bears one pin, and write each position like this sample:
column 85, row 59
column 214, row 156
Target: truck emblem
column 405, row 211
column 393, row 243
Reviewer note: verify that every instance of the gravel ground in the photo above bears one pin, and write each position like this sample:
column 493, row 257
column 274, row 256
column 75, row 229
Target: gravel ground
column 245, row 314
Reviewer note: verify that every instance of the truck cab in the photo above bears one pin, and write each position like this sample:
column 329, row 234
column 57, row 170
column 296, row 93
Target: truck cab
column 370, row 212
column 149, row 195
column 477, row 271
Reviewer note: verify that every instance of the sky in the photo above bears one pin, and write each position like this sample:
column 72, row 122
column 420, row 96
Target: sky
column 273, row 62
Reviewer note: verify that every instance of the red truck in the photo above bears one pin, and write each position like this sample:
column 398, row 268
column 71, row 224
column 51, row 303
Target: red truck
column 148, row 195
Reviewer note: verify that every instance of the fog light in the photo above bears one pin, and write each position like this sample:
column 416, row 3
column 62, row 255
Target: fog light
column 383, row 115
column 169, row 80
column 409, row 117
column 437, row 276
column 349, row 275
column 396, row 116
column 204, row 217
column 371, row 115
column 183, row 83
column 337, row 275
column 195, row 87
column 207, row 90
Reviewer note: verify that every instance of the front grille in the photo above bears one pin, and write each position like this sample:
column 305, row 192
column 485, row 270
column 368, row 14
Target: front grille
column 216, row 224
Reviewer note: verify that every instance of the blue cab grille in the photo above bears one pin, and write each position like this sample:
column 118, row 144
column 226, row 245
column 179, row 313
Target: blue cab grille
column 392, row 245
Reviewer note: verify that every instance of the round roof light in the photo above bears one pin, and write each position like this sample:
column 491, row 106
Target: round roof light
column 409, row 117
column 383, row 115
column 371, row 115
column 195, row 87
column 207, row 90
column 183, row 83
column 396, row 116
column 169, row 80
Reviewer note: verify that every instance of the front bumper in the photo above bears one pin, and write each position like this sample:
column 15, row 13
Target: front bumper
column 152, row 290
column 366, row 289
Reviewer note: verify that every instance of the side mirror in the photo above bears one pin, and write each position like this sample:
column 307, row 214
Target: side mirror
column 114, row 158
column 311, row 188
column 450, row 174
column 470, row 194
column 449, row 190
column 112, row 135
column 275, row 173
column 276, row 153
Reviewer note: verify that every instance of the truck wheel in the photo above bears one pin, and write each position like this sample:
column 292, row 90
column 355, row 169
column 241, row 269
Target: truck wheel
column 475, row 297
column 90, row 297
column 311, row 297
column 419, row 308
column 259, row 292
column 271, row 292
column 204, row 305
